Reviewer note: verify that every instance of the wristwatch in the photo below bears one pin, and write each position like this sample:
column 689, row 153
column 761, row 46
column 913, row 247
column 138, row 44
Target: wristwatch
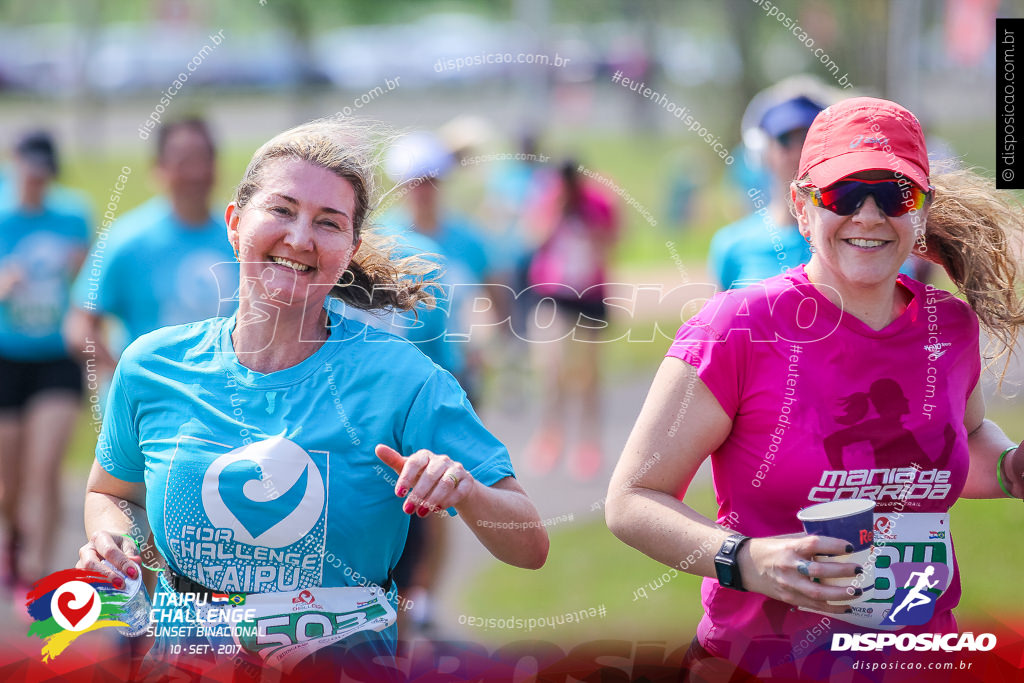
column 726, row 565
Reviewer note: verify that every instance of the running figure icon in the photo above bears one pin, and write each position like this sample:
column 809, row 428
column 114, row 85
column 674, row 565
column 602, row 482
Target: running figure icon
column 916, row 597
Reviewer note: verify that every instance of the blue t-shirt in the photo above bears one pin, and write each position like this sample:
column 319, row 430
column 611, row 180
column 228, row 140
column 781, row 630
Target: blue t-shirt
column 753, row 249
column 46, row 248
column 427, row 328
column 510, row 189
column 157, row 271
column 460, row 241
column 269, row 482
column 134, row 221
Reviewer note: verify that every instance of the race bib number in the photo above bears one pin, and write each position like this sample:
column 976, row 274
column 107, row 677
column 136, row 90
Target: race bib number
column 913, row 567
column 38, row 309
column 287, row 627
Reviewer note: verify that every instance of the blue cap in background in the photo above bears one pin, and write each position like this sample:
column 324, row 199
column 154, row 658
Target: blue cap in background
column 789, row 115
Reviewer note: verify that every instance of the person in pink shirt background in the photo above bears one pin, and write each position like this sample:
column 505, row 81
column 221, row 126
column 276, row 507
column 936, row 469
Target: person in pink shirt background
column 577, row 225
column 839, row 379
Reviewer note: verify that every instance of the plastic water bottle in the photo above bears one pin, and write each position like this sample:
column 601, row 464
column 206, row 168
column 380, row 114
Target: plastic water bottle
column 136, row 610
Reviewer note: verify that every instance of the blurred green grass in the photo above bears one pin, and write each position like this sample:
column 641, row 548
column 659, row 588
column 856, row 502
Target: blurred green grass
column 588, row 567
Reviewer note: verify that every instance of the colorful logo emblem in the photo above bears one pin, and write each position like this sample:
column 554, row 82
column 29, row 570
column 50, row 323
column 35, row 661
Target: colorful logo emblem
column 303, row 598
column 71, row 602
column 883, row 527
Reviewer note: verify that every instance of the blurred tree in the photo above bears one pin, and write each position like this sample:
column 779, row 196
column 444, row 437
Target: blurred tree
column 644, row 17
column 744, row 19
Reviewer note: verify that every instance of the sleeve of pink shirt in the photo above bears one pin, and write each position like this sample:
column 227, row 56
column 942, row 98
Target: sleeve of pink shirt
column 601, row 213
column 719, row 357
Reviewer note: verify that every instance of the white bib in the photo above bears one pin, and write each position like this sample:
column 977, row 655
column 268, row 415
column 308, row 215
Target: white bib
column 290, row 626
column 913, row 559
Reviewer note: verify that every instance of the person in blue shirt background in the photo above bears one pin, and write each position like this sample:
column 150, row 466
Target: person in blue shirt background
column 426, row 326
column 430, row 329
column 513, row 186
column 58, row 197
column 41, row 250
column 418, row 162
column 164, row 263
column 767, row 242
column 266, row 450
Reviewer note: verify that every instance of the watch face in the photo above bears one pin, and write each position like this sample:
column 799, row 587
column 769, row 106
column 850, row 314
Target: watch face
column 726, row 575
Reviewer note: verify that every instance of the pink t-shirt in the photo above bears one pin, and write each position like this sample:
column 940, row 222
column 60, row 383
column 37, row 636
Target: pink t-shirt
column 825, row 407
column 573, row 257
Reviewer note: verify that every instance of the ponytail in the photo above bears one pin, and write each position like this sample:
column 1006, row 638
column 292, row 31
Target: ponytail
column 976, row 234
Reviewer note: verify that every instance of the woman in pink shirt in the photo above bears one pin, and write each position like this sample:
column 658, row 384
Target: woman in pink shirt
column 838, row 379
column 577, row 225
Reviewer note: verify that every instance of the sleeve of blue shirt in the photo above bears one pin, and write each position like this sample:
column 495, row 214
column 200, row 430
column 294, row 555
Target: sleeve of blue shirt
column 442, row 421
column 718, row 259
column 96, row 287
column 472, row 246
column 481, row 258
column 70, row 201
column 81, row 287
column 117, row 449
column 81, row 229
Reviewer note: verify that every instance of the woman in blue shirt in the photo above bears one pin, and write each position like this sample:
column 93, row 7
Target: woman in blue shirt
column 41, row 250
column 266, row 451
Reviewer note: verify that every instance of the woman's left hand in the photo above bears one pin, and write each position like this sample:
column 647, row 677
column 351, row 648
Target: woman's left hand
column 432, row 482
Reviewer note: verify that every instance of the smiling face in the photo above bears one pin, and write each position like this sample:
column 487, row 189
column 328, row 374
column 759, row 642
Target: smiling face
column 295, row 237
column 862, row 250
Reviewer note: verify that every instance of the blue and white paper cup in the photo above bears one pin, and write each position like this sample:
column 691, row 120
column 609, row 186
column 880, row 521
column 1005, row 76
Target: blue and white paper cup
column 851, row 520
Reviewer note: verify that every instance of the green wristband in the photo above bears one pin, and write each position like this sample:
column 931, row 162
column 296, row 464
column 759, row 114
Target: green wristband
column 144, row 565
column 999, row 471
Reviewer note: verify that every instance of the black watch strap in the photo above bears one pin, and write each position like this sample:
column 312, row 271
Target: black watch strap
column 726, row 565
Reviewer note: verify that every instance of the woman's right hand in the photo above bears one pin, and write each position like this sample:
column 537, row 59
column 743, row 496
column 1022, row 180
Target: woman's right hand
column 10, row 276
column 117, row 549
column 771, row 566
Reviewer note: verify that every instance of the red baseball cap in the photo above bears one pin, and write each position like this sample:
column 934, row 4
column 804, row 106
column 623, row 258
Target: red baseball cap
column 864, row 134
